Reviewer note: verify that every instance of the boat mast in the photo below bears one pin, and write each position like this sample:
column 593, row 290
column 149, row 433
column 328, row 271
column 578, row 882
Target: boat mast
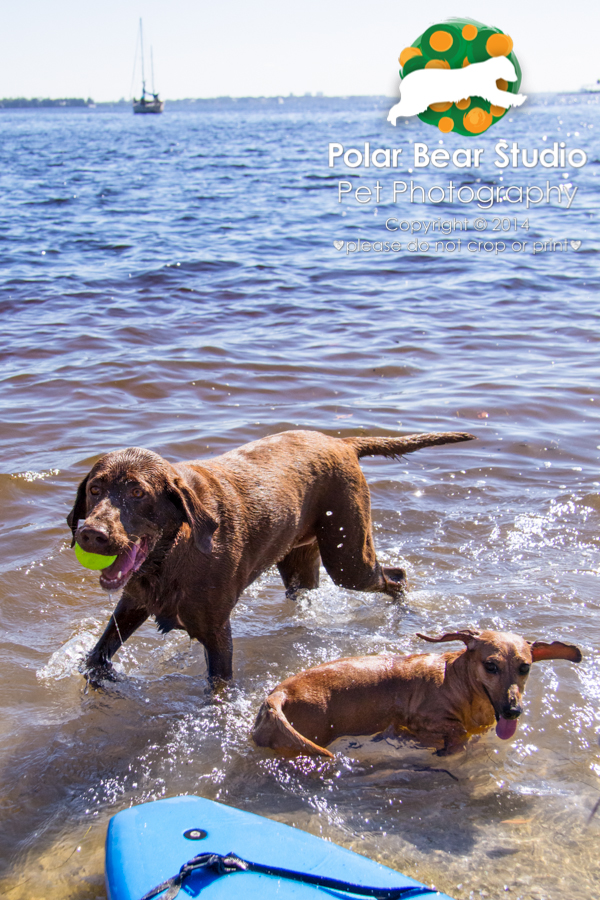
column 152, row 71
column 143, row 75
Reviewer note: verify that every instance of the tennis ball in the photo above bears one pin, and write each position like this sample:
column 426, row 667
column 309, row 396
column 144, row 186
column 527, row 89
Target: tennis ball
column 93, row 560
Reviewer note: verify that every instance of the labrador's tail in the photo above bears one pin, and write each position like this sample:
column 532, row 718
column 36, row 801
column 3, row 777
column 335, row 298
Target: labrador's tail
column 396, row 447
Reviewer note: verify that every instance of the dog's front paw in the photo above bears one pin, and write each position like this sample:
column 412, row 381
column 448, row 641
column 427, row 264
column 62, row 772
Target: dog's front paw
column 451, row 749
column 395, row 581
column 96, row 671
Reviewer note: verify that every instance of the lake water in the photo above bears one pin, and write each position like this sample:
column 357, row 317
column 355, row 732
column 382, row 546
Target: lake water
column 172, row 283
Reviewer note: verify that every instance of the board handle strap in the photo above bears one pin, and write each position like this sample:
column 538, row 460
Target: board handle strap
column 221, row 864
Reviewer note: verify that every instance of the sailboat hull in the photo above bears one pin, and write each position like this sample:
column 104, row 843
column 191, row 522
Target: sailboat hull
column 148, row 106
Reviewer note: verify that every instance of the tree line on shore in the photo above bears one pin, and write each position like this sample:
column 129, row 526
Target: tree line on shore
column 35, row 102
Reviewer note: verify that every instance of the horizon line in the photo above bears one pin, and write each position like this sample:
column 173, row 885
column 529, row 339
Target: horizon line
column 90, row 102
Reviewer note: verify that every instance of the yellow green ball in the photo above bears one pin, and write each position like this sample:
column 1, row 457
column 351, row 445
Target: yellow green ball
column 93, row 560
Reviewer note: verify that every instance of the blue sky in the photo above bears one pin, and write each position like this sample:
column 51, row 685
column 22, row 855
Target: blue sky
column 269, row 47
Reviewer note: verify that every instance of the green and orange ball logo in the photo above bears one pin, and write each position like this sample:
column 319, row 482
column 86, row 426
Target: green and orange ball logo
column 453, row 45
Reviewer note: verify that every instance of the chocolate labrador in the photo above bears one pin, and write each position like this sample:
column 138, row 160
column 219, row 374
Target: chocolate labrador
column 189, row 537
column 441, row 699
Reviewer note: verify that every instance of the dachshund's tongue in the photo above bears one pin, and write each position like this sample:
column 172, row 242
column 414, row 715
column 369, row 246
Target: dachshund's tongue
column 115, row 576
column 506, row 728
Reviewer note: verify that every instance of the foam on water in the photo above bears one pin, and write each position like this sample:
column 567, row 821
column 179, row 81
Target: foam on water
column 68, row 659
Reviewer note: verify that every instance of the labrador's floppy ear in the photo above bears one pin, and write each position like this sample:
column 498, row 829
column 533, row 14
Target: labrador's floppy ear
column 467, row 636
column 78, row 511
column 198, row 518
column 556, row 650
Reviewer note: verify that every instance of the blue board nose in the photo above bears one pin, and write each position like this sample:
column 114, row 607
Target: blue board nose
column 147, row 844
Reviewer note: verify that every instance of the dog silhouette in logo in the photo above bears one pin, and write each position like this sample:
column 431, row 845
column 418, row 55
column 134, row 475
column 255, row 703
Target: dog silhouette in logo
column 426, row 86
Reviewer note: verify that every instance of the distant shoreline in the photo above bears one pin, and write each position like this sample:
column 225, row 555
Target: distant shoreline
column 71, row 103
column 44, row 103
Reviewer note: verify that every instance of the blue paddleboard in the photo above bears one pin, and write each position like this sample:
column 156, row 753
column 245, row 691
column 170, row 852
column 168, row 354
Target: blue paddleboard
column 148, row 844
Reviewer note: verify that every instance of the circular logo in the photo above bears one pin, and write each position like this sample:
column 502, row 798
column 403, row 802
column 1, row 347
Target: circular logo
column 453, row 45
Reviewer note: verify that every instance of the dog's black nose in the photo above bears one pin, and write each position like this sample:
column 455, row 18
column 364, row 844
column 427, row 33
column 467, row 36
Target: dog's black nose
column 511, row 712
column 92, row 538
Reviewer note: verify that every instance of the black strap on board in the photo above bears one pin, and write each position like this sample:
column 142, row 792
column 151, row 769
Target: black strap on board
column 225, row 865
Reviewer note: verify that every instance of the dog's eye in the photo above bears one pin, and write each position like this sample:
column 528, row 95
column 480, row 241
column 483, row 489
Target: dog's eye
column 491, row 667
column 138, row 492
column 524, row 669
column 95, row 490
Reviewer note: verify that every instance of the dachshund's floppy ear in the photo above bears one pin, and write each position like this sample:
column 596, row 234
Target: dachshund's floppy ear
column 78, row 511
column 556, row 650
column 467, row 636
column 198, row 518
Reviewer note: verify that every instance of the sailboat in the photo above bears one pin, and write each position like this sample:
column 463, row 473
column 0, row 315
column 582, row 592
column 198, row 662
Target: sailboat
column 591, row 88
column 149, row 102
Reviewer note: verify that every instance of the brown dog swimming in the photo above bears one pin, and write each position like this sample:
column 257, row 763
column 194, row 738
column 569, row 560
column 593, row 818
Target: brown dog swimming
column 190, row 537
column 439, row 699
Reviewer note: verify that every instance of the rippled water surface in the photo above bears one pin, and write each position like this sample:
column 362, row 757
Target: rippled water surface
column 172, row 283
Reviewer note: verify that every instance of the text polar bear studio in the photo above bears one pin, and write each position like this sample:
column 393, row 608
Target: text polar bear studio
column 421, row 88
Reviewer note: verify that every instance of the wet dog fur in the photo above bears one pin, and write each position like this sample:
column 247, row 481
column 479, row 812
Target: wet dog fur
column 439, row 699
column 190, row 537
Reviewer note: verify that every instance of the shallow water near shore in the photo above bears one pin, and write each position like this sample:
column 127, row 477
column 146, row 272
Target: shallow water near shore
column 173, row 284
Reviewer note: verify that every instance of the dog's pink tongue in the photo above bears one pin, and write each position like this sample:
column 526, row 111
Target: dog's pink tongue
column 506, row 728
